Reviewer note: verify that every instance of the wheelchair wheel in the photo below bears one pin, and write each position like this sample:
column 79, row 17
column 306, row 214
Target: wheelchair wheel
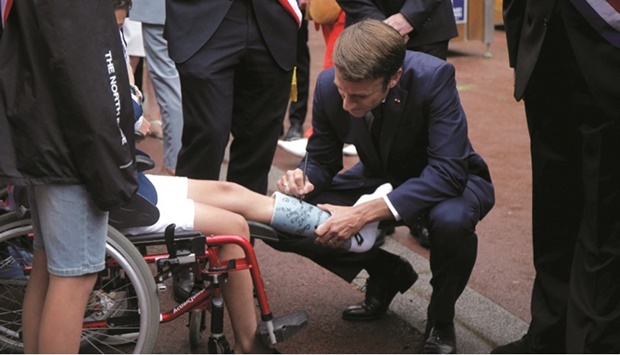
column 196, row 327
column 124, row 299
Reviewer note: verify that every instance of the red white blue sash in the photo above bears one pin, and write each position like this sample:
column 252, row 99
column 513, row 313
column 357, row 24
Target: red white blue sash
column 604, row 16
column 5, row 7
column 292, row 8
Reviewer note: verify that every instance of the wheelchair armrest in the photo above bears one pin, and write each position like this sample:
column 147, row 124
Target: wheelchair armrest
column 144, row 162
column 262, row 231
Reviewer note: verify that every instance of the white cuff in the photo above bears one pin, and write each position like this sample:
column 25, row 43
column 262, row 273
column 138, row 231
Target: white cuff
column 391, row 207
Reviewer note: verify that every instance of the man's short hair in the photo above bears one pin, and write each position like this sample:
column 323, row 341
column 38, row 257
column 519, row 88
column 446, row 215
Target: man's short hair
column 369, row 49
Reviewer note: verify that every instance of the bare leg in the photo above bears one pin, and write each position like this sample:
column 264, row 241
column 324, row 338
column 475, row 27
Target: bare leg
column 232, row 197
column 64, row 309
column 54, row 309
column 33, row 302
column 238, row 291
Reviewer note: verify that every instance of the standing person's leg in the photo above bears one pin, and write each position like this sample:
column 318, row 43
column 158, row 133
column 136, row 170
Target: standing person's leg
column 70, row 236
column 262, row 91
column 167, row 86
column 207, row 98
column 298, row 110
column 593, row 319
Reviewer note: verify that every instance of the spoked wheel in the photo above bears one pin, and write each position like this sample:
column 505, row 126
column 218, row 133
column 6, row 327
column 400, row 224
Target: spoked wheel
column 196, row 327
column 122, row 314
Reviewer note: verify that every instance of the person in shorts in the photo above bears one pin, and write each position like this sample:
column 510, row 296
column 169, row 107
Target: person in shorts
column 66, row 132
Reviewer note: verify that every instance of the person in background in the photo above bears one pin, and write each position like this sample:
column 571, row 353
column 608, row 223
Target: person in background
column 402, row 112
column 298, row 108
column 66, row 132
column 164, row 75
column 236, row 68
column 566, row 57
column 426, row 25
column 132, row 33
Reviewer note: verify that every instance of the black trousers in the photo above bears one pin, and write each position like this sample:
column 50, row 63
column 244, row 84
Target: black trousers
column 575, row 151
column 232, row 86
column 453, row 253
column 299, row 109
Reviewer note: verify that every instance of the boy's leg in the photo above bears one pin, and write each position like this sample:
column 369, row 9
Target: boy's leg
column 34, row 299
column 64, row 306
column 69, row 243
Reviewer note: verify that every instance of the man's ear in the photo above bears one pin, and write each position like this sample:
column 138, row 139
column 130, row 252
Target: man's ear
column 395, row 78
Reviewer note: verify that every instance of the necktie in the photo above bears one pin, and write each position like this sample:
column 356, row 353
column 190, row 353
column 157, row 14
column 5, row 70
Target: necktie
column 604, row 16
column 375, row 127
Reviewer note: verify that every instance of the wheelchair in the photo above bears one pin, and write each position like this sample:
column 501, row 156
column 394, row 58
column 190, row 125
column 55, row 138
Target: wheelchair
column 123, row 313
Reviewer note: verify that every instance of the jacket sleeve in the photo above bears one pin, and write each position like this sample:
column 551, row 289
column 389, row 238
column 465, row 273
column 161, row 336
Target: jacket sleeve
column 447, row 171
column 324, row 147
column 361, row 9
column 92, row 94
column 418, row 12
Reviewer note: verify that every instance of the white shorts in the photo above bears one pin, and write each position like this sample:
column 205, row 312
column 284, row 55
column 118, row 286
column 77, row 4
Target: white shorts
column 172, row 203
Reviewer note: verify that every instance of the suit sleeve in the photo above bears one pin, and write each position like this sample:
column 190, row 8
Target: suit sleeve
column 446, row 173
column 93, row 95
column 418, row 11
column 361, row 9
column 324, row 147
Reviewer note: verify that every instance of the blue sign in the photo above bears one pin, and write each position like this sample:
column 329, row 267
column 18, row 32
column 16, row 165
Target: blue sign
column 460, row 10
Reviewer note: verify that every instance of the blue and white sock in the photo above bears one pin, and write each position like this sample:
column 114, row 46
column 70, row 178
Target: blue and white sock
column 366, row 237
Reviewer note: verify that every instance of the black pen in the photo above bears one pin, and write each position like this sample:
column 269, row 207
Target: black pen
column 301, row 197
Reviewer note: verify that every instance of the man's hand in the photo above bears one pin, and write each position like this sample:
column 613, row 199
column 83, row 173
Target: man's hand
column 400, row 23
column 345, row 222
column 292, row 183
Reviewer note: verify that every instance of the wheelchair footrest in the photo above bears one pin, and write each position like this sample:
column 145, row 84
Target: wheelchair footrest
column 284, row 326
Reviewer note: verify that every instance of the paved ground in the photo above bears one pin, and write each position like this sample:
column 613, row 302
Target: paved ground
column 494, row 308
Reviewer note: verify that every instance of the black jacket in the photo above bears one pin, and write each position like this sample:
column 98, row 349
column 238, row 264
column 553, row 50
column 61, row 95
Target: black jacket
column 66, row 115
column 432, row 20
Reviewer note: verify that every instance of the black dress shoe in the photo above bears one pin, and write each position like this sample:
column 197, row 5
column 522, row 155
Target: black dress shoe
column 525, row 345
column 439, row 338
column 380, row 292
column 295, row 132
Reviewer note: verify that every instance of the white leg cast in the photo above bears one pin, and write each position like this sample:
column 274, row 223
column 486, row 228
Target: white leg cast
column 296, row 217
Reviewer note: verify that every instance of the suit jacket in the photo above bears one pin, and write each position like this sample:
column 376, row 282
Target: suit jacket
column 148, row 11
column 526, row 23
column 432, row 20
column 425, row 152
column 191, row 23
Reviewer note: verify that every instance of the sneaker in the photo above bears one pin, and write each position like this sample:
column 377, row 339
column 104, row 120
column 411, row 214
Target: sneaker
column 295, row 132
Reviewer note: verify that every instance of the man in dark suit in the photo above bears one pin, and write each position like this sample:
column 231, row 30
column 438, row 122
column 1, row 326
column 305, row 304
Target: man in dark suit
column 427, row 25
column 235, row 60
column 418, row 143
column 568, row 76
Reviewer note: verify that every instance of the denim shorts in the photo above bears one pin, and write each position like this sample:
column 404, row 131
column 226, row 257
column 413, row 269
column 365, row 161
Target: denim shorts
column 69, row 228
